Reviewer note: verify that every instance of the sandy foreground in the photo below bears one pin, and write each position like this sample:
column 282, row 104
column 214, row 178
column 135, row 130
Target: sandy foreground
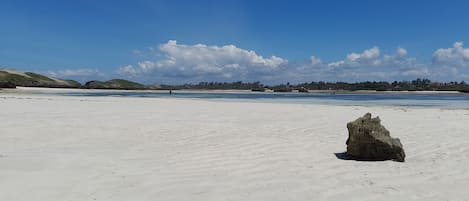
column 55, row 148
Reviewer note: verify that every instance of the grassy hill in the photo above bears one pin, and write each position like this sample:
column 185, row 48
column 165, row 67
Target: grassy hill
column 114, row 84
column 9, row 78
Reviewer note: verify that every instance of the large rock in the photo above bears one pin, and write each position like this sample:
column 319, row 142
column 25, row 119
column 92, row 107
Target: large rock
column 369, row 140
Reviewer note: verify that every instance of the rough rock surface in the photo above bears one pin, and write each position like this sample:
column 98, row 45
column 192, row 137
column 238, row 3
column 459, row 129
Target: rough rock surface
column 369, row 140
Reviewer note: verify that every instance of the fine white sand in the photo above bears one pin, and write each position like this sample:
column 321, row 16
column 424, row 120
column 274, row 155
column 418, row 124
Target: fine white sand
column 55, row 148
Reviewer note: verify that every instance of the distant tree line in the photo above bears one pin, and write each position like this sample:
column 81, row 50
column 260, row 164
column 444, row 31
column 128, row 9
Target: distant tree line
column 218, row 85
column 414, row 85
column 11, row 79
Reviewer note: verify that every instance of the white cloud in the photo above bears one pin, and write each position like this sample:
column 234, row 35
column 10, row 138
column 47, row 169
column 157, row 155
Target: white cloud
column 179, row 63
column 399, row 60
column 371, row 58
column 202, row 60
column 128, row 70
column 367, row 57
column 74, row 72
column 401, row 52
column 367, row 65
column 336, row 64
column 315, row 61
column 457, row 56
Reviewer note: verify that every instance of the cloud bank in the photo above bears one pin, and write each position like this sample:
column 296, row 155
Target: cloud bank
column 206, row 62
column 179, row 63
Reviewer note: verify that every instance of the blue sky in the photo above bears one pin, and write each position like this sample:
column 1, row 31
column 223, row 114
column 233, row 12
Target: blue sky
column 270, row 41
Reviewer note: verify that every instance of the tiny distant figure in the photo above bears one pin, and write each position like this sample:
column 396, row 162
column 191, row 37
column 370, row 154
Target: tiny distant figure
column 170, row 91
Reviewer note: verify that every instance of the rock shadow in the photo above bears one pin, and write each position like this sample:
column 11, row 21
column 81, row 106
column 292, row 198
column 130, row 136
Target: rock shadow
column 345, row 156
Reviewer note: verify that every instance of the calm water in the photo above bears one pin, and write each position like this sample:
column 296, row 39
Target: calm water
column 420, row 100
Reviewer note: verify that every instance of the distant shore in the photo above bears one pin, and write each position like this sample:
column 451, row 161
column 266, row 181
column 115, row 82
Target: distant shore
column 33, row 90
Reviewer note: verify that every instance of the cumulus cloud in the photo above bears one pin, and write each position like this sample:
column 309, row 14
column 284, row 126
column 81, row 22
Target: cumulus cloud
column 226, row 61
column 187, row 63
column 401, row 52
column 448, row 64
column 369, row 65
column 457, row 56
column 367, row 57
column 315, row 61
column 128, row 70
column 74, row 72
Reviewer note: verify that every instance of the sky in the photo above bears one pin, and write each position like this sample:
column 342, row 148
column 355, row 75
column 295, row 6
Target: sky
column 274, row 41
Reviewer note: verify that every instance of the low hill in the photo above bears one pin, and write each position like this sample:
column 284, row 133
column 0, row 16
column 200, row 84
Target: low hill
column 114, row 84
column 10, row 78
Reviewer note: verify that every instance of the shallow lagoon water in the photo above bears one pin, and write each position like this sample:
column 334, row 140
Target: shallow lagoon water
column 361, row 99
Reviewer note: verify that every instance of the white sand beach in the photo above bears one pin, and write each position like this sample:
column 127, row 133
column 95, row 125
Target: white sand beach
column 56, row 148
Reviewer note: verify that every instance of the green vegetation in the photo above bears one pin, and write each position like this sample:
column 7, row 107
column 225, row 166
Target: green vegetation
column 10, row 79
column 114, row 84
column 125, row 83
column 28, row 79
column 73, row 83
column 218, row 85
column 39, row 77
column 17, row 79
column 414, row 85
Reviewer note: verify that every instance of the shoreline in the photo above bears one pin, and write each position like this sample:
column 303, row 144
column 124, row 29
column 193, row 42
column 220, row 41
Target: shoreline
column 51, row 90
column 447, row 101
column 278, row 102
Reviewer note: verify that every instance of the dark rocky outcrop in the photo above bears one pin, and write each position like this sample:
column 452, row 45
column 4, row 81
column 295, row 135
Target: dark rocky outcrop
column 369, row 140
column 258, row 89
column 283, row 90
column 7, row 84
column 303, row 90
